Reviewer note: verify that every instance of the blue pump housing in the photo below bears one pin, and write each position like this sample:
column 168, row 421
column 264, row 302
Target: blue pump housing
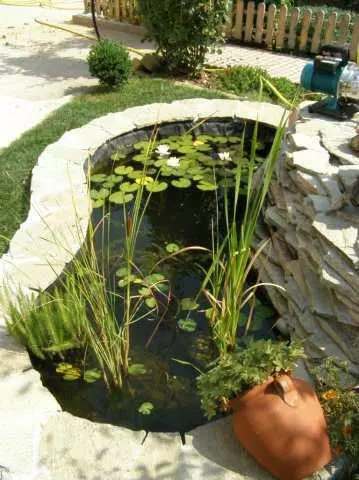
column 312, row 79
column 323, row 75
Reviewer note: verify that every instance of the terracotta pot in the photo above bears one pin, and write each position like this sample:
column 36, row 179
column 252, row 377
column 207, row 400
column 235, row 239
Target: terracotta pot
column 281, row 423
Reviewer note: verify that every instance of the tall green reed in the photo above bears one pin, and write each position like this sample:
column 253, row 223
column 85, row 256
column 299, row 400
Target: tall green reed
column 232, row 258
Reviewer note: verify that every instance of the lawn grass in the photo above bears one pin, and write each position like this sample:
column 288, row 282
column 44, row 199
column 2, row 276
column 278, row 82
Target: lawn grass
column 18, row 159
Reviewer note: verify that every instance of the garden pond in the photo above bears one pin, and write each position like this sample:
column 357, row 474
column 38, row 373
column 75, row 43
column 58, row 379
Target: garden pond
column 185, row 176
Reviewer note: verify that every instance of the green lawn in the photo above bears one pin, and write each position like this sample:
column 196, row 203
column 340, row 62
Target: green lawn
column 19, row 158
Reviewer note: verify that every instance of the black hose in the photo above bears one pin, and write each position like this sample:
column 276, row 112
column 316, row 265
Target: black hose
column 94, row 21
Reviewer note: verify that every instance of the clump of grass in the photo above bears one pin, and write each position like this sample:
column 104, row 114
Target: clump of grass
column 232, row 259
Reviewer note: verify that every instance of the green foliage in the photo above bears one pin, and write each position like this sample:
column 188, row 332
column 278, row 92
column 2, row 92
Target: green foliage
column 109, row 62
column 145, row 408
column 50, row 325
column 340, row 405
column 243, row 80
column 241, row 370
column 225, row 281
column 184, row 30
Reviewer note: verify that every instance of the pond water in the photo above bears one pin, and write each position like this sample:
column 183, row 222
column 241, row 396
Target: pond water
column 186, row 178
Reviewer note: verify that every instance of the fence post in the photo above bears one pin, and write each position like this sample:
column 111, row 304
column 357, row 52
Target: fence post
column 343, row 28
column 261, row 9
column 317, row 32
column 305, row 30
column 281, row 27
column 270, row 25
column 329, row 31
column 355, row 40
column 238, row 25
column 292, row 37
column 249, row 22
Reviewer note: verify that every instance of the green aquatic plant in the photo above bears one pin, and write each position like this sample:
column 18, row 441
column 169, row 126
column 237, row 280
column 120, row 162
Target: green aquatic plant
column 232, row 259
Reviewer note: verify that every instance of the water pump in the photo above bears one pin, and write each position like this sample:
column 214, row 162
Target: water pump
column 332, row 73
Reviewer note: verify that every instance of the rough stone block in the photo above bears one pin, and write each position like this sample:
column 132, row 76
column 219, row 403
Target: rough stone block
column 348, row 175
column 311, row 161
column 340, row 234
column 306, row 182
column 301, row 141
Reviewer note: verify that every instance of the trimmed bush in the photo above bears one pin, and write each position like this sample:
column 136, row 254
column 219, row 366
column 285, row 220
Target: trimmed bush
column 184, row 30
column 109, row 62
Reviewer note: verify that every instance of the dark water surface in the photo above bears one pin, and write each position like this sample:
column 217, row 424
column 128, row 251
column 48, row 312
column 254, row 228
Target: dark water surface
column 176, row 215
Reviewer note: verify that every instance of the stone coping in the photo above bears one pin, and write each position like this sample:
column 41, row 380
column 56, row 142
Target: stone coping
column 37, row 439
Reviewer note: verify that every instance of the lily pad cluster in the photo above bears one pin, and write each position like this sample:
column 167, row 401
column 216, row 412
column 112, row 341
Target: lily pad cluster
column 71, row 373
column 206, row 162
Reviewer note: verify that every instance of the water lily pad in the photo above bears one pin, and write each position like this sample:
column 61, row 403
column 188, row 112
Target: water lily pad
column 145, row 291
column 189, row 304
column 150, row 302
column 98, row 178
column 156, row 186
column 137, row 369
column 109, row 185
column 129, row 187
column 141, row 157
column 114, row 178
column 121, row 197
column 126, row 280
column 196, row 178
column 123, row 170
column 98, row 203
column 207, row 187
column 153, row 279
column 117, row 156
column 187, row 325
column 122, row 272
column 160, row 162
column 91, row 376
column 145, row 408
column 181, row 183
column 143, row 144
column 62, row 367
column 172, row 247
column 144, row 180
column 187, row 149
column 196, row 170
column 99, row 194
column 135, row 174
column 204, row 148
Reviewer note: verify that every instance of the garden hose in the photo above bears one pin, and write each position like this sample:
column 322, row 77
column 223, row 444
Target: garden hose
column 37, row 3
column 83, row 35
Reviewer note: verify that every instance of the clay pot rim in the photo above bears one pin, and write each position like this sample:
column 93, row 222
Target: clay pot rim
column 254, row 391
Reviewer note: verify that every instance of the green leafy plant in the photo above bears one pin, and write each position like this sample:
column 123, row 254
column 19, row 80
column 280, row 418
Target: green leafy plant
column 109, row 62
column 341, row 406
column 184, row 30
column 242, row 369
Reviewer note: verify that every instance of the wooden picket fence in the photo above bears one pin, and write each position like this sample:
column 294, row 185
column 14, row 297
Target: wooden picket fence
column 282, row 29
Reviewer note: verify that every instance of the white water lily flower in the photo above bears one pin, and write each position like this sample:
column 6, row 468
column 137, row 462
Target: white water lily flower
column 226, row 156
column 163, row 150
column 173, row 162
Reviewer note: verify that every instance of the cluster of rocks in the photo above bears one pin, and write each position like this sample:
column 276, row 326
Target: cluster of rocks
column 312, row 221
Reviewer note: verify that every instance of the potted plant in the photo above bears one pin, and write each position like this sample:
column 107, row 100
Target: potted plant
column 278, row 418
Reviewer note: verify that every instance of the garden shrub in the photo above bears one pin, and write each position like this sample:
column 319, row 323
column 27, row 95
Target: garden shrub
column 240, row 80
column 109, row 62
column 184, row 30
column 246, row 79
